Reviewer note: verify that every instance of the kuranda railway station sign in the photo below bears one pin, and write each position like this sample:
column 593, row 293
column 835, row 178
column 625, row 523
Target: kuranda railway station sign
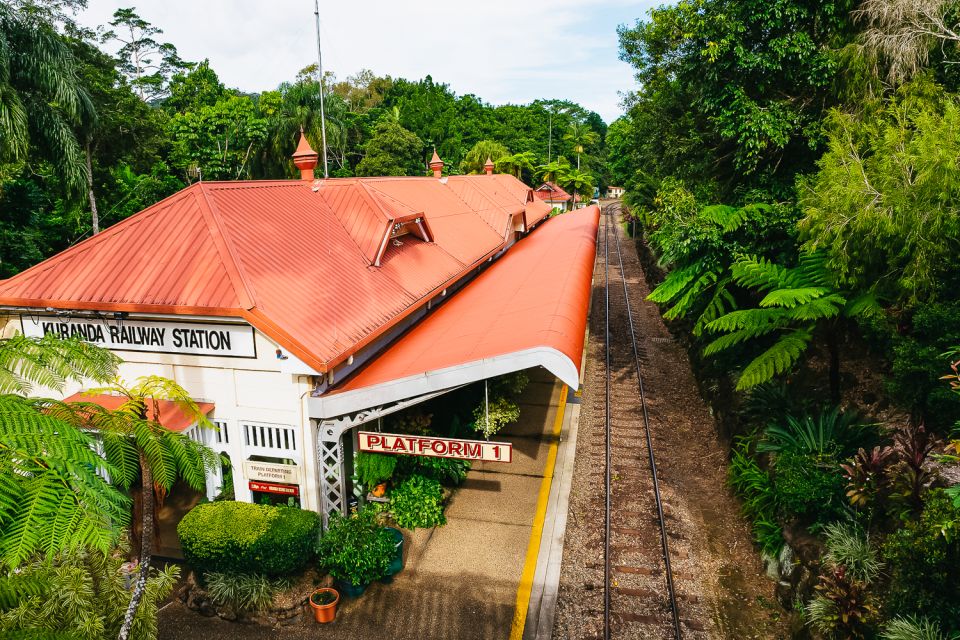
column 195, row 338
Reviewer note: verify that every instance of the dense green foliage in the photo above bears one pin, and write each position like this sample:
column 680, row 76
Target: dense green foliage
column 238, row 537
column 242, row 592
column 417, row 502
column 356, row 548
column 922, row 558
column 374, row 468
column 83, row 594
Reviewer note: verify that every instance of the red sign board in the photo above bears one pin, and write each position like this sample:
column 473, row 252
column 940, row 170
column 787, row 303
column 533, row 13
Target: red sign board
column 272, row 487
column 435, row 447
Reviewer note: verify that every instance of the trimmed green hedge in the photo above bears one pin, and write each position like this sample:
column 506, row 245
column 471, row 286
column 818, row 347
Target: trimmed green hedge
column 239, row 537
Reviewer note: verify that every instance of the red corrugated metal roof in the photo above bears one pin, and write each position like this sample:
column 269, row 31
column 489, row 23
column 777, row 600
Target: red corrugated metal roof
column 551, row 191
column 536, row 296
column 291, row 257
column 171, row 415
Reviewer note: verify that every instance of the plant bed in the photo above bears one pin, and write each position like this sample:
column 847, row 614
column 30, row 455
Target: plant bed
column 285, row 608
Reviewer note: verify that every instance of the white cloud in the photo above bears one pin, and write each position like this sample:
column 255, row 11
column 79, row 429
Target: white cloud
column 500, row 50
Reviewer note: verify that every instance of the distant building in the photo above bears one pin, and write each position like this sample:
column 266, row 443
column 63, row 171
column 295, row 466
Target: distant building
column 553, row 195
column 614, row 192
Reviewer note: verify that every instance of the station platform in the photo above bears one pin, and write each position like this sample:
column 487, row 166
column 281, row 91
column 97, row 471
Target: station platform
column 482, row 576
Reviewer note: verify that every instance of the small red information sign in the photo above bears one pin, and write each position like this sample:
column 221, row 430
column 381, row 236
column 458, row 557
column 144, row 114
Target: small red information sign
column 272, row 487
column 435, row 447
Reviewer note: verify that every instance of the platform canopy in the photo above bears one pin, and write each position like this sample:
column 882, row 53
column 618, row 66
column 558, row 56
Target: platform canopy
column 528, row 309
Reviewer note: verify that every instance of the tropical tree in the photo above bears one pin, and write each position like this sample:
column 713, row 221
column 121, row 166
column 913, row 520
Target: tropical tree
column 883, row 206
column 148, row 458
column 477, row 156
column 391, row 151
column 517, row 164
column 147, row 63
column 582, row 137
column 41, row 99
column 797, row 300
column 554, row 171
column 577, row 181
column 220, row 139
column 51, row 495
column 80, row 594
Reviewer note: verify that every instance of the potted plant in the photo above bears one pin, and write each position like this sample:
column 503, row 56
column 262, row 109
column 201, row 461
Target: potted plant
column 396, row 562
column 373, row 470
column 356, row 550
column 324, row 604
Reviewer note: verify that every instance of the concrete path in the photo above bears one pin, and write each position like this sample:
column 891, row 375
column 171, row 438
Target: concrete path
column 460, row 580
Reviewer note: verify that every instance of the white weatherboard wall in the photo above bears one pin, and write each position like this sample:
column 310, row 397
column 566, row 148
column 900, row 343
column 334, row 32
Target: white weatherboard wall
column 256, row 398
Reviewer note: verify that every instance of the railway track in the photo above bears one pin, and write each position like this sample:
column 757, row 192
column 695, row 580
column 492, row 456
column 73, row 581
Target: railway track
column 640, row 598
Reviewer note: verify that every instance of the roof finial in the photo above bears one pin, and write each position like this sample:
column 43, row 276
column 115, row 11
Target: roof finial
column 436, row 164
column 305, row 158
column 488, row 166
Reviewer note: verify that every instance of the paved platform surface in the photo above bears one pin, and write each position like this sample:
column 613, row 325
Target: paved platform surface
column 460, row 580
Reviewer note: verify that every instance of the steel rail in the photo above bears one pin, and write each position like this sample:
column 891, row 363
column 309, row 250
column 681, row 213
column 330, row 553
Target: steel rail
column 608, row 460
column 668, row 572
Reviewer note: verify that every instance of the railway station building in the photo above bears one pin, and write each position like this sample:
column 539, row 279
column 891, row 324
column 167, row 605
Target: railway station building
column 297, row 311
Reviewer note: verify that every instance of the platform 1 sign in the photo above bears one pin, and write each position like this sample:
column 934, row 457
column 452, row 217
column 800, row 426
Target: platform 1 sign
column 207, row 339
column 435, row 447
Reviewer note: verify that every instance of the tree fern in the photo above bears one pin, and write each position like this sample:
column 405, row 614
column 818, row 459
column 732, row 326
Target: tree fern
column 796, row 301
column 50, row 362
column 776, row 360
column 51, row 496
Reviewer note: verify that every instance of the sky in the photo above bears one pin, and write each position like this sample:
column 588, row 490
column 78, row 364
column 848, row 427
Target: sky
column 503, row 51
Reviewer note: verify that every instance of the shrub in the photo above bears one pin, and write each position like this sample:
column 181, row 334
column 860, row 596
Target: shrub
column 921, row 559
column 911, row 628
column 418, row 502
column 490, row 420
column 808, row 486
column 849, row 547
column 842, row 607
column 753, row 485
column 830, row 431
column 238, row 537
column 246, row 592
column 355, row 548
column 374, row 468
column 444, row 470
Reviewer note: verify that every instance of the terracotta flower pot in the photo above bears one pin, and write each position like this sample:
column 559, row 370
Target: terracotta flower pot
column 379, row 490
column 324, row 613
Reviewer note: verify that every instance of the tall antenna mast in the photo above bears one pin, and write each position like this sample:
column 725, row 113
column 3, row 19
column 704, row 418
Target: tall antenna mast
column 323, row 122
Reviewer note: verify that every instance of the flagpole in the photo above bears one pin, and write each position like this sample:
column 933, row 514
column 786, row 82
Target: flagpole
column 323, row 123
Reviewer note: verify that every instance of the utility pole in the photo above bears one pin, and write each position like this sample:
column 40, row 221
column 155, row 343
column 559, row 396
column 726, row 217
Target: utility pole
column 550, row 134
column 323, row 122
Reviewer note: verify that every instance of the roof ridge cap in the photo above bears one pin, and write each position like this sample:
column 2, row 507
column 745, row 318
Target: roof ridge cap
column 225, row 249
column 473, row 211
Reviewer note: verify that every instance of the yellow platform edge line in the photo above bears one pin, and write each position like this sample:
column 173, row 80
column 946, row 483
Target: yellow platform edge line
column 536, row 531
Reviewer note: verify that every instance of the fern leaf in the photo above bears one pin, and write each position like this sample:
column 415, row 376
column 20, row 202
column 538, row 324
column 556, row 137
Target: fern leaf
column 760, row 273
column 762, row 321
column 820, row 309
column 721, row 303
column 688, row 302
column 675, row 283
column 776, row 360
column 790, row 298
column 866, row 304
